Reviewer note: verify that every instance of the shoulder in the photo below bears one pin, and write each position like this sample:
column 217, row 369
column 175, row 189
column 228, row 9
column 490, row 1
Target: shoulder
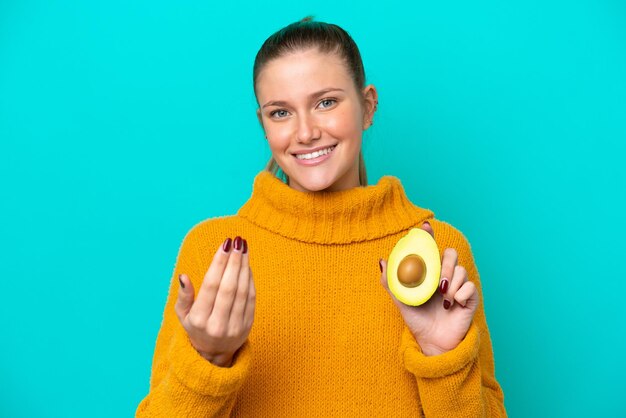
column 212, row 226
column 209, row 232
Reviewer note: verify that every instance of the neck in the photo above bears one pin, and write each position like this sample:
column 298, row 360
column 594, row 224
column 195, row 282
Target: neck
column 332, row 217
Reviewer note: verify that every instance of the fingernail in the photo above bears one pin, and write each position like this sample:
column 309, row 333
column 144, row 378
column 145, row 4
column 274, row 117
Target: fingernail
column 443, row 286
column 380, row 264
column 446, row 304
column 238, row 243
column 181, row 281
column 245, row 246
column 226, row 245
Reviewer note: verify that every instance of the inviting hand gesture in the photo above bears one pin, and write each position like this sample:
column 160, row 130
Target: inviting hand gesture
column 219, row 320
column 440, row 324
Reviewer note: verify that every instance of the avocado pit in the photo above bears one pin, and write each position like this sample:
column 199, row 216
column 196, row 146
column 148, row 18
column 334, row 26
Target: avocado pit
column 412, row 271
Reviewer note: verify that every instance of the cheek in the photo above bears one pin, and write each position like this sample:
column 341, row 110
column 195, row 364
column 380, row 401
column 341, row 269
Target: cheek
column 277, row 142
column 346, row 123
column 277, row 137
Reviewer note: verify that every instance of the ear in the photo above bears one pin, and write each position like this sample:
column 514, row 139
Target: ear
column 370, row 96
column 260, row 117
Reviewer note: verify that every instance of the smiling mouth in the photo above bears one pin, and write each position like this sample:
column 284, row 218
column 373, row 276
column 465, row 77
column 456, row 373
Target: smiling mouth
column 315, row 154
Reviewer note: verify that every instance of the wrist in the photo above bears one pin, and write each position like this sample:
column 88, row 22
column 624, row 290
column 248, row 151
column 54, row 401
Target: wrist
column 220, row 360
column 430, row 350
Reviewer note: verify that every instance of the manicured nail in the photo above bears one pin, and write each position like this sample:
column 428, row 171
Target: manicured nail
column 226, row 246
column 380, row 264
column 238, row 243
column 181, row 281
column 443, row 286
column 446, row 304
column 245, row 246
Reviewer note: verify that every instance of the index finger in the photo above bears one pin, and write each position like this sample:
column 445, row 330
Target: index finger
column 203, row 306
column 450, row 259
column 426, row 227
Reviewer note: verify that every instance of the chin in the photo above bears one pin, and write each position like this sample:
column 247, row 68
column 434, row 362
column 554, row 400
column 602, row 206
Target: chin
column 313, row 184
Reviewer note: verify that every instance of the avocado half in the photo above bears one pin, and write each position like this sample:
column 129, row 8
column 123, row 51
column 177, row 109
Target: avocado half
column 414, row 267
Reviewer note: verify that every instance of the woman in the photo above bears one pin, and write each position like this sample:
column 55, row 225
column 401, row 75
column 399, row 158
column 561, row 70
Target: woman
column 315, row 331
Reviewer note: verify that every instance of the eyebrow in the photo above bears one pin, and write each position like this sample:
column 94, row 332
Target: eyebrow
column 311, row 96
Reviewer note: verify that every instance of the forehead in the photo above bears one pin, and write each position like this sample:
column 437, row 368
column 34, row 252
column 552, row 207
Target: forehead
column 301, row 72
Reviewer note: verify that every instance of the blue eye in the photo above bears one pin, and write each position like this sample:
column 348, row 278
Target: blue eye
column 276, row 111
column 324, row 101
column 328, row 100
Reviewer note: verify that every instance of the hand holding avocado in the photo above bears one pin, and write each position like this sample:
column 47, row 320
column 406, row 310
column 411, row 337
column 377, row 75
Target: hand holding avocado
column 437, row 320
column 220, row 319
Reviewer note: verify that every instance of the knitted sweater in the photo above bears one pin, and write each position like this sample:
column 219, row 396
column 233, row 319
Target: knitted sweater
column 327, row 340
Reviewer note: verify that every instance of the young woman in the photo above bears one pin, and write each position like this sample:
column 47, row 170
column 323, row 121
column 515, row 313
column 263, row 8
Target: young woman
column 316, row 331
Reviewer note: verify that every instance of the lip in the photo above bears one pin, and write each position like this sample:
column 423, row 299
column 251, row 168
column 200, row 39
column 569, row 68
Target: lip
column 315, row 161
column 308, row 151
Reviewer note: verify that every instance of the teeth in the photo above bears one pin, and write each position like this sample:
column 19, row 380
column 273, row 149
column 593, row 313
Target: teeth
column 314, row 154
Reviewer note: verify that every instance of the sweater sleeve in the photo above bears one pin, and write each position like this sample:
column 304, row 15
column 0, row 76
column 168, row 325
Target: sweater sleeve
column 183, row 383
column 460, row 382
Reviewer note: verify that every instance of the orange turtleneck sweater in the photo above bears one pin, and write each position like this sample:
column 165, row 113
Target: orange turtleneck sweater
column 327, row 339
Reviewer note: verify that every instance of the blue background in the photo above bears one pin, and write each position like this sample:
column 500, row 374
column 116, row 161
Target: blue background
column 123, row 124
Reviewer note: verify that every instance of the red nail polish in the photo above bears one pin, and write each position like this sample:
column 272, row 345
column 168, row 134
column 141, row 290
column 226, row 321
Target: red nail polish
column 380, row 264
column 226, row 245
column 446, row 304
column 443, row 287
column 238, row 243
column 245, row 246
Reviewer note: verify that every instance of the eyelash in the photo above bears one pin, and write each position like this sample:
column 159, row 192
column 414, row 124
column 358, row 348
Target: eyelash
column 272, row 113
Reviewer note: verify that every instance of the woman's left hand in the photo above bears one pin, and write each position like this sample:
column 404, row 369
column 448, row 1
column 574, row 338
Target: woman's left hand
column 440, row 324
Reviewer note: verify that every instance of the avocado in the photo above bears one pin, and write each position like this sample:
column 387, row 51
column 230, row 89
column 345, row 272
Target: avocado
column 414, row 267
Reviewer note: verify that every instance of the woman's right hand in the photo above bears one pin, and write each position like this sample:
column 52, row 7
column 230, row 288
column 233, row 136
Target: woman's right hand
column 219, row 320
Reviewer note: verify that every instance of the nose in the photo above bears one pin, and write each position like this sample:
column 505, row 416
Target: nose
column 307, row 130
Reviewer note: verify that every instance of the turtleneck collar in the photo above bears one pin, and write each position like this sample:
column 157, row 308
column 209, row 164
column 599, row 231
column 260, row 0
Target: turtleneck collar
column 353, row 215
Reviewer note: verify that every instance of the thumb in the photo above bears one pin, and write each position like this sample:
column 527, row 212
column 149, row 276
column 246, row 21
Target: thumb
column 383, row 277
column 185, row 297
column 383, row 273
